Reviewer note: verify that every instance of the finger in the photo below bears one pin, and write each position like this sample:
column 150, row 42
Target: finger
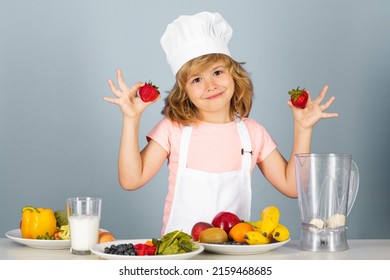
column 292, row 107
column 329, row 115
column 134, row 89
column 322, row 94
column 327, row 104
column 111, row 100
column 113, row 88
column 121, row 81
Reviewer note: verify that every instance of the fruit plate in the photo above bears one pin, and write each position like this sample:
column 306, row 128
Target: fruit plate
column 16, row 236
column 98, row 250
column 231, row 249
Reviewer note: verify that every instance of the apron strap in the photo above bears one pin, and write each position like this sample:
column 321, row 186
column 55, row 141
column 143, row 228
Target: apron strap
column 246, row 150
column 184, row 144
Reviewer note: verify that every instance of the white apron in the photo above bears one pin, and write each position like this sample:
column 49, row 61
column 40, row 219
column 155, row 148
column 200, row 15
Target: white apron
column 200, row 195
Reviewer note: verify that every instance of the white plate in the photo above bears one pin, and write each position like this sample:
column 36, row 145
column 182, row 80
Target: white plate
column 227, row 249
column 16, row 236
column 99, row 251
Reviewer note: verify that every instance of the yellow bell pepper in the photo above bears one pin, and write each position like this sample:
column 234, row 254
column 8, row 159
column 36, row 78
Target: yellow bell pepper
column 37, row 222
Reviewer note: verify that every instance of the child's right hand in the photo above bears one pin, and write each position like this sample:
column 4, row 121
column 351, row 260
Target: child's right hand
column 314, row 110
column 127, row 99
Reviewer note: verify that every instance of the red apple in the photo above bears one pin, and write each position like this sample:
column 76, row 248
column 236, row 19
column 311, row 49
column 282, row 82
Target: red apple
column 225, row 221
column 198, row 228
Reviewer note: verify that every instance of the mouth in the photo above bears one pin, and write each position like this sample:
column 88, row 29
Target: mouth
column 213, row 96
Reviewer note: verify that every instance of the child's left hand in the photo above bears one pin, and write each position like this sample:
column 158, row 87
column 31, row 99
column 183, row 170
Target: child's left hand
column 314, row 111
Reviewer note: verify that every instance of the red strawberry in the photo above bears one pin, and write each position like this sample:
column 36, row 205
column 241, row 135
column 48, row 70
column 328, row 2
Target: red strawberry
column 299, row 97
column 144, row 249
column 148, row 92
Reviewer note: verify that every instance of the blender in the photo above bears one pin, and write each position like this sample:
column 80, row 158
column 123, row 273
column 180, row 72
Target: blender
column 327, row 187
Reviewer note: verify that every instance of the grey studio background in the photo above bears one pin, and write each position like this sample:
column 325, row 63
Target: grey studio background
column 58, row 138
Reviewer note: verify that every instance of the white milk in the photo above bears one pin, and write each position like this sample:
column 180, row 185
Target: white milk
column 84, row 232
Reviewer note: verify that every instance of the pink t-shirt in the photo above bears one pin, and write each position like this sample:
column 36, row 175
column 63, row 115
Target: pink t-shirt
column 212, row 148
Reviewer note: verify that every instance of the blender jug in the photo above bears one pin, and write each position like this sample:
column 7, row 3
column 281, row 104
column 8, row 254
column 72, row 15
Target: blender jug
column 327, row 186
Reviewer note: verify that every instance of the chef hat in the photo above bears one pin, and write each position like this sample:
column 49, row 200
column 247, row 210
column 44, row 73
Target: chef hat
column 189, row 37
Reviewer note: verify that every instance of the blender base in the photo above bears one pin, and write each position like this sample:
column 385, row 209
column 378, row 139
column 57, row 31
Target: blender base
column 323, row 240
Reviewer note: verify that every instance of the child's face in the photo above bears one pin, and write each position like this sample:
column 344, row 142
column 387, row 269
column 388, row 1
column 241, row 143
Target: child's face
column 211, row 91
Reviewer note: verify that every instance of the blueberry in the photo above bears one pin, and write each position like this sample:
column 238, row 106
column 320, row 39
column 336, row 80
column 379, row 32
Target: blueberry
column 121, row 249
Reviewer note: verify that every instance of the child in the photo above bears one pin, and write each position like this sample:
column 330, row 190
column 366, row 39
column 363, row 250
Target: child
column 210, row 143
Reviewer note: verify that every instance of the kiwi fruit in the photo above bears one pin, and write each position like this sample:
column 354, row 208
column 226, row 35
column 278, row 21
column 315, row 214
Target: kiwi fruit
column 213, row 235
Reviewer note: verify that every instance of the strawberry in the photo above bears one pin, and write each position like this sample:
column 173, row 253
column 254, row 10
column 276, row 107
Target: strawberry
column 299, row 97
column 148, row 92
column 145, row 249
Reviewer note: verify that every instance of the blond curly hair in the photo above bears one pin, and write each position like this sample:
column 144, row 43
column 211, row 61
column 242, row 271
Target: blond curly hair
column 179, row 108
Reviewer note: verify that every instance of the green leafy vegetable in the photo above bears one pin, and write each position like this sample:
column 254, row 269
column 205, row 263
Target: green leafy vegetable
column 175, row 242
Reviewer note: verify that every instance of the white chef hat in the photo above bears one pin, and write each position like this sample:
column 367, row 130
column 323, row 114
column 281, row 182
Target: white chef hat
column 189, row 37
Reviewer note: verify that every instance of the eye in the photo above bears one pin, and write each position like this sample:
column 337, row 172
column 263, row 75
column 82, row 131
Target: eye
column 196, row 80
column 218, row 72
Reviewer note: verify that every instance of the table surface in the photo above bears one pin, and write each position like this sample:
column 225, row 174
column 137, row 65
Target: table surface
column 359, row 249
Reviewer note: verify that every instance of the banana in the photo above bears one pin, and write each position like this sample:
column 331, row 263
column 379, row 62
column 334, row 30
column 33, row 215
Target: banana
column 256, row 224
column 270, row 219
column 256, row 238
column 281, row 233
column 336, row 221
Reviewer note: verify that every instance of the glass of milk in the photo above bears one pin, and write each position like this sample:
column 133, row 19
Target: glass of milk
column 84, row 219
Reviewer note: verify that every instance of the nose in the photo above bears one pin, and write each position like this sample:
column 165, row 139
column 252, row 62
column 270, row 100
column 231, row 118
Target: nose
column 211, row 84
